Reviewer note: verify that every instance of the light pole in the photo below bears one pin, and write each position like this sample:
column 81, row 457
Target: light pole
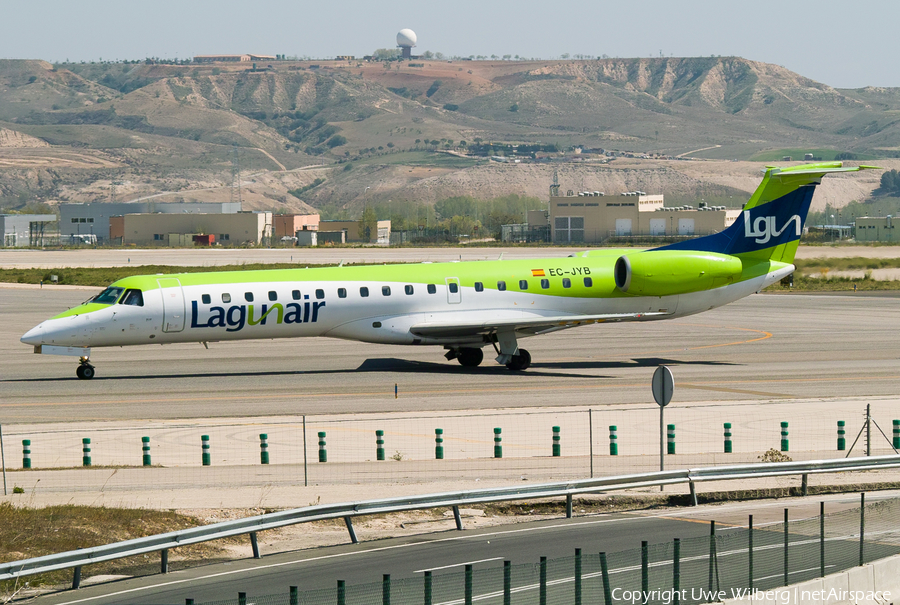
column 832, row 228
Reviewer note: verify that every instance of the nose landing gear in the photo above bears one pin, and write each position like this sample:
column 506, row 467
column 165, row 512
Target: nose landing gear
column 85, row 370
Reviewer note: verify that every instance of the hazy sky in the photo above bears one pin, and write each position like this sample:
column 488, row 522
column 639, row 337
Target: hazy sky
column 843, row 44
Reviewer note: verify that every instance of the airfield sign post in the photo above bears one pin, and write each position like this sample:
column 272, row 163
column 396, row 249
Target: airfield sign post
column 663, row 385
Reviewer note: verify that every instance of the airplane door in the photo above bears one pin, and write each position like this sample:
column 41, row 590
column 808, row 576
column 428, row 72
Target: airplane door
column 173, row 304
column 454, row 292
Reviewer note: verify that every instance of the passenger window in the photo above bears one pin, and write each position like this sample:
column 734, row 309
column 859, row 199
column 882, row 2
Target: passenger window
column 320, row 293
column 364, row 292
column 133, row 298
column 342, row 292
column 588, row 282
column 273, row 295
column 408, row 288
column 454, row 287
column 501, row 285
column 206, row 298
column 248, row 296
column 567, row 283
column 226, row 298
column 545, row 284
column 295, row 294
column 479, row 287
column 432, row 288
column 523, row 284
column 385, row 290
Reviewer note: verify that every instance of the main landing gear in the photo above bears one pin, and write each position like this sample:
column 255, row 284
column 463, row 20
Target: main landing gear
column 520, row 361
column 85, row 370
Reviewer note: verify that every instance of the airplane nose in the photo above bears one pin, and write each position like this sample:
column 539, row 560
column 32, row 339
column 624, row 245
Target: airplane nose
column 34, row 336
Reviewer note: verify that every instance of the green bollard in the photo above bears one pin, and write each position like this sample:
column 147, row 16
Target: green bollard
column 784, row 437
column 379, row 445
column 728, row 447
column 670, row 439
column 438, row 444
column 323, row 454
column 26, row 453
column 842, row 440
column 86, row 452
column 263, row 448
column 498, row 448
column 897, row 434
column 206, row 457
column 556, row 446
column 613, row 441
column 145, row 447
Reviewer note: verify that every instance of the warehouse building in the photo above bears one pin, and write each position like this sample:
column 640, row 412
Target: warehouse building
column 286, row 225
column 875, row 229
column 21, row 230
column 351, row 228
column 238, row 229
column 593, row 217
column 92, row 218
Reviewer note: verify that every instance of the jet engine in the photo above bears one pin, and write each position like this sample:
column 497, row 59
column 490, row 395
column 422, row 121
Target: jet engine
column 671, row 272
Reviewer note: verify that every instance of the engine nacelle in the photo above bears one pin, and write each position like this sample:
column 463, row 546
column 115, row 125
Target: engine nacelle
column 670, row 272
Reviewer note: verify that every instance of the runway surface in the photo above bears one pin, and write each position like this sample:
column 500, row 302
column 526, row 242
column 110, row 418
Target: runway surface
column 766, row 348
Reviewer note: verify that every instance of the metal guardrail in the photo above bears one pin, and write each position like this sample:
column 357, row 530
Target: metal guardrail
column 251, row 525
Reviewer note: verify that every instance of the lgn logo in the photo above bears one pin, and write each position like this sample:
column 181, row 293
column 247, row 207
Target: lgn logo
column 763, row 228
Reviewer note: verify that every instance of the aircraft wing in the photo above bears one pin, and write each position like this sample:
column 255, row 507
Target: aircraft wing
column 529, row 325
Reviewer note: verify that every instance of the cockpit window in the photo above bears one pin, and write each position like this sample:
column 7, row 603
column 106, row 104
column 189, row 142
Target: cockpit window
column 135, row 298
column 108, row 296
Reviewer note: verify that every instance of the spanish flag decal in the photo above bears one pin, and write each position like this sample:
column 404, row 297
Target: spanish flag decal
column 537, row 273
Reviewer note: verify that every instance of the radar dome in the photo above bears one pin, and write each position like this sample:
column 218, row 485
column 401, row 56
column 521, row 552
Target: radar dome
column 406, row 37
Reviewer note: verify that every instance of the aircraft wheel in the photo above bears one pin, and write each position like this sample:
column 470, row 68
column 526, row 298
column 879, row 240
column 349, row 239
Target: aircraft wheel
column 85, row 372
column 520, row 362
column 470, row 357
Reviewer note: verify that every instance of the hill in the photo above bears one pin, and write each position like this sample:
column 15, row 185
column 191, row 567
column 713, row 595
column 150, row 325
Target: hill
column 140, row 129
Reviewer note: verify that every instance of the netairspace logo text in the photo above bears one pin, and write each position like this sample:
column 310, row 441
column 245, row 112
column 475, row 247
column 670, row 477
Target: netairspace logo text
column 783, row 596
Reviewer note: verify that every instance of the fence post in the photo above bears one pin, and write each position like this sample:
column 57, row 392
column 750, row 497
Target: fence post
column 577, row 576
column 323, row 454
column 896, row 443
column 822, row 539
column 841, row 438
column 670, row 439
column 379, row 445
column 862, row 529
column 786, row 541
column 26, row 453
column 206, row 457
column 294, row 595
column 728, row 446
column 498, row 447
column 507, row 583
column 750, row 552
column 604, row 573
column 263, row 448
column 556, row 444
column 242, row 598
column 784, row 437
column 542, row 587
column 386, row 589
column 467, row 595
column 86, row 451
column 428, row 588
column 676, row 571
column 712, row 553
column 341, row 592
column 305, row 462
column 438, row 444
column 645, row 569
column 613, row 441
column 145, row 449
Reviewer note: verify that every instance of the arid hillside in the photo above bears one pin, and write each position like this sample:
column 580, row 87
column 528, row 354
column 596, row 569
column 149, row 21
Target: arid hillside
column 403, row 131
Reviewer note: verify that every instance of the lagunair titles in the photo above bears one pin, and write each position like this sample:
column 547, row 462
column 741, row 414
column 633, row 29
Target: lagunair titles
column 235, row 317
column 462, row 307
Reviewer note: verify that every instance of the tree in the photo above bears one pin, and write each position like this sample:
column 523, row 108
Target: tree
column 336, row 141
column 890, row 181
column 514, row 107
column 368, row 225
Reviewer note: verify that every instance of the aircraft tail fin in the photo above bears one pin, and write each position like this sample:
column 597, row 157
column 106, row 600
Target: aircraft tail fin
column 770, row 223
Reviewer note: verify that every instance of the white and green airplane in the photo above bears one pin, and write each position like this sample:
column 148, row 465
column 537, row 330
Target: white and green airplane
column 460, row 306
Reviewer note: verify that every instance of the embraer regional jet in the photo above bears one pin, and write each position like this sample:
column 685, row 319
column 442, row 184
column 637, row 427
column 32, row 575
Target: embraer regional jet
column 462, row 306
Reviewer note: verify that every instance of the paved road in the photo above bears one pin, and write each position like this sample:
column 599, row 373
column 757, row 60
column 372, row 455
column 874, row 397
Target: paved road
column 445, row 552
column 767, row 348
